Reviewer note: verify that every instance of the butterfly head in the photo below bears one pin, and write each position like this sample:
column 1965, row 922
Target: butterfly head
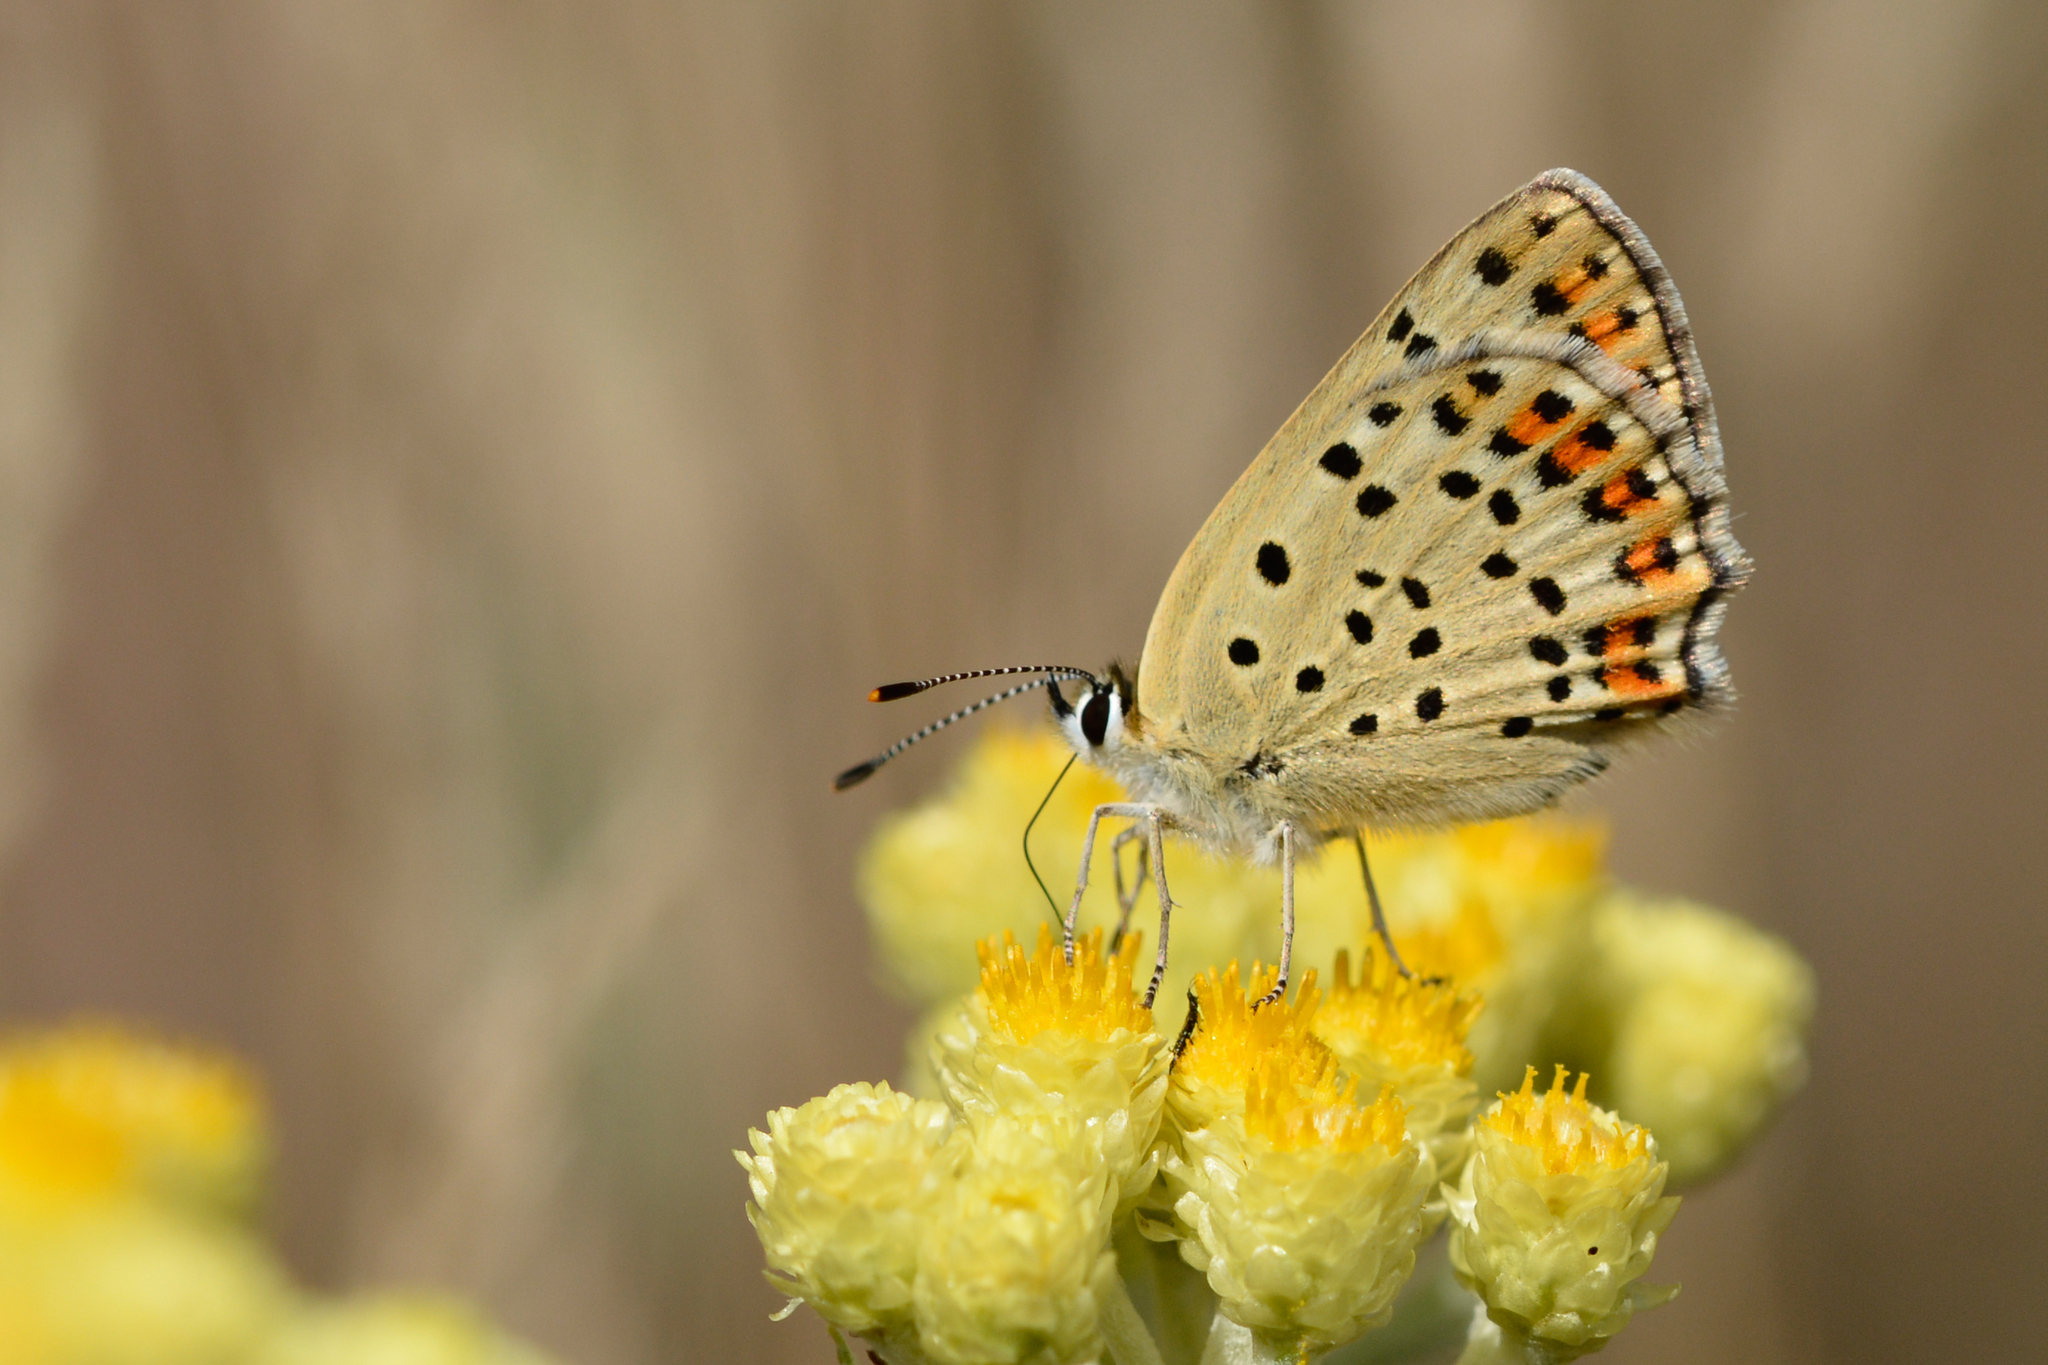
column 1098, row 719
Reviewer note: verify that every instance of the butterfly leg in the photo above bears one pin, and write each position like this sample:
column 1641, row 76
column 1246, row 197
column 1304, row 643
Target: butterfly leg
column 1286, row 833
column 1115, row 811
column 1156, row 822
column 1127, row 897
column 1379, row 918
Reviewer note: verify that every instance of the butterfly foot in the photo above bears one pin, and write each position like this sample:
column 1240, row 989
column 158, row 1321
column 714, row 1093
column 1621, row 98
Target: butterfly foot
column 1188, row 1025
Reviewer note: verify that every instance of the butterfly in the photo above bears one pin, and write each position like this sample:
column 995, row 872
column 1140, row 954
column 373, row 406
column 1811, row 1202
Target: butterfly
column 1491, row 548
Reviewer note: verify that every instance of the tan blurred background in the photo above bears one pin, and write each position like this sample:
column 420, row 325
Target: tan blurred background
column 461, row 464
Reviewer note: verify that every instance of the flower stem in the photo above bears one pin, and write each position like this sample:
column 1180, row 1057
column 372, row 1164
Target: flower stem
column 1123, row 1331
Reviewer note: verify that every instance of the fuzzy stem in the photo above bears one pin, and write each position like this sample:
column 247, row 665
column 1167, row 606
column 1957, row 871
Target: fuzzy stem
column 1123, row 1331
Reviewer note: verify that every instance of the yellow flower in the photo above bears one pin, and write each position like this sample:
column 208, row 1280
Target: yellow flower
column 1232, row 1039
column 842, row 1188
column 94, row 1112
column 1557, row 1215
column 132, row 1283
column 1066, row 1047
column 1015, row 1261
column 1406, row 1034
column 393, row 1329
column 1304, row 1211
column 1706, row 1019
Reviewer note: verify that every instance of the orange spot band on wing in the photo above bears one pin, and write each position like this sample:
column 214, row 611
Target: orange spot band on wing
column 1584, row 448
column 1624, row 500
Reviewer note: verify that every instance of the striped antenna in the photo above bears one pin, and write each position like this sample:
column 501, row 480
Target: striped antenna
column 898, row 691
column 861, row 772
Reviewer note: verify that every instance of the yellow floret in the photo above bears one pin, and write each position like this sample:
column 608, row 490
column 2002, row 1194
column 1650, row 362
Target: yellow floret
column 1401, row 1021
column 94, row 1111
column 1233, row 1035
column 1277, row 1113
column 1567, row 1133
column 1090, row 997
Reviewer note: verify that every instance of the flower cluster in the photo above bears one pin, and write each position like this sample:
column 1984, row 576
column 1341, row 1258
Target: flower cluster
column 1059, row 1183
column 130, row 1169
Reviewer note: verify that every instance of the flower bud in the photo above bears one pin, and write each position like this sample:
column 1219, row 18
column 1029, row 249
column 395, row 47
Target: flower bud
column 1013, row 1260
column 1557, row 1215
column 1708, row 1019
column 842, row 1187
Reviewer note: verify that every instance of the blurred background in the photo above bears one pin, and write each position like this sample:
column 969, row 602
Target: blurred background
column 461, row 466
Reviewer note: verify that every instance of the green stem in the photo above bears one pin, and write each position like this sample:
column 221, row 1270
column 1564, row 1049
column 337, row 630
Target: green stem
column 1233, row 1344
column 1123, row 1331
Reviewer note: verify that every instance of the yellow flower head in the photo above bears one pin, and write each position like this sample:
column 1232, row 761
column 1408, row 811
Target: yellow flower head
column 1406, row 1033
column 133, row 1282
column 393, row 1329
column 1397, row 1021
column 1279, row 1115
column 1233, row 1038
column 1304, row 1210
column 1566, row 1133
column 842, row 1187
column 1701, row 1020
column 1012, row 1259
column 1557, row 1215
column 1031, row 994
column 94, row 1112
column 1064, row 1047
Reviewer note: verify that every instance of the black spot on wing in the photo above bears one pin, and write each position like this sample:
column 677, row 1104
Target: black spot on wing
column 1485, row 383
column 1244, row 653
column 1341, row 460
column 1552, row 406
column 1365, row 724
column 1310, row 679
column 1505, row 509
column 1419, row 343
column 1504, row 445
column 1458, row 484
column 1547, row 594
column 1360, row 626
column 1498, row 565
column 1429, row 704
column 1383, row 414
column 1546, row 299
column 1403, row 325
column 1548, row 651
column 1272, row 563
column 1560, row 687
column 1447, row 416
column 1514, row 727
column 1371, row 579
column 1492, row 267
column 1373, row 500
column 1417, row 590
column 1425, row 643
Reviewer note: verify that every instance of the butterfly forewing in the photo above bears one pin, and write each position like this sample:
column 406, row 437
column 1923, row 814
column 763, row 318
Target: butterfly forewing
column 1489, row 544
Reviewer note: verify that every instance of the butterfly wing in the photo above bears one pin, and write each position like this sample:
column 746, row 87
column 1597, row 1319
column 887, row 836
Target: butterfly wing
column 1489, row 546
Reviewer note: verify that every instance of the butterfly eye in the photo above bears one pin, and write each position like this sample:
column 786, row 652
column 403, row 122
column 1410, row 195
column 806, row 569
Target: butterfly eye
column 1095, row 717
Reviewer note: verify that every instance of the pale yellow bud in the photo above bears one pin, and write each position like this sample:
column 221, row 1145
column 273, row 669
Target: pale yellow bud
column 842, row 1187
column 393, row 1329
column 1013, row 1262
column 1708, row 1019
column 132, row 1283
column 1557, row 1215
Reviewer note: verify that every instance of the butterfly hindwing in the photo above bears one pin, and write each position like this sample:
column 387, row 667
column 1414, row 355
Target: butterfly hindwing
column 1464, row 569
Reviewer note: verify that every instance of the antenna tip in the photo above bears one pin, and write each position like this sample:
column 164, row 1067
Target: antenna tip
column 896, row 691
column 855, row 775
